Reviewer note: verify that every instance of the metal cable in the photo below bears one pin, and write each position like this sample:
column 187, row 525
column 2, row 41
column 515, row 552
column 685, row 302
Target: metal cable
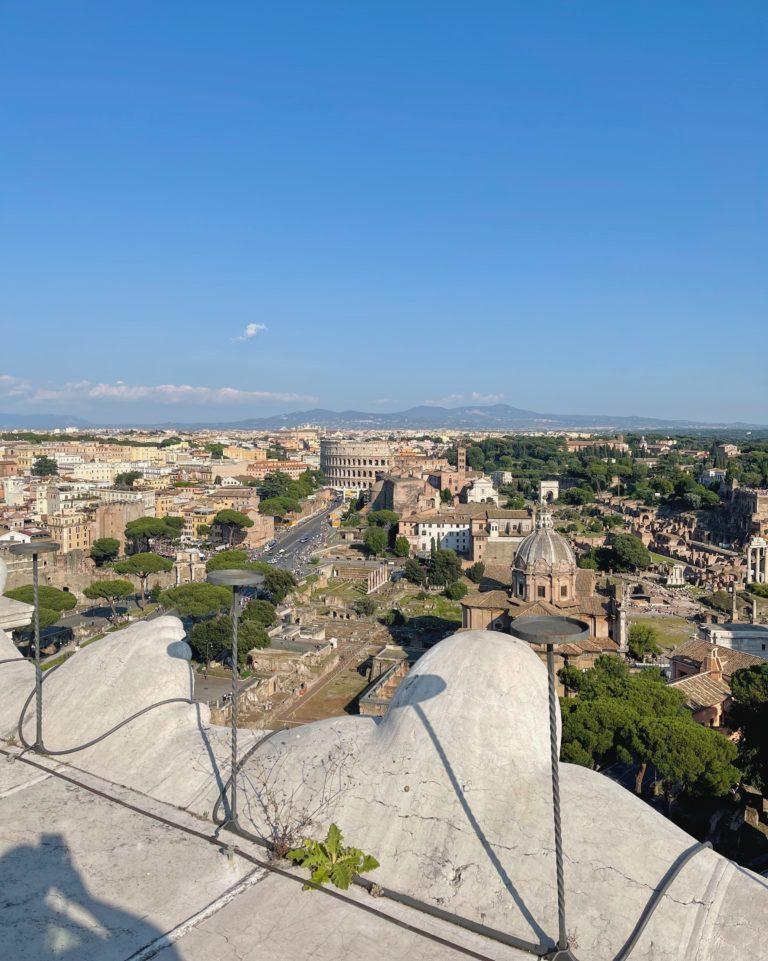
column 233, row 802
column 266, row 865
column 38, row 668
column 101, row 737
column 675, row 868
column 233, row 825
column 562, row 940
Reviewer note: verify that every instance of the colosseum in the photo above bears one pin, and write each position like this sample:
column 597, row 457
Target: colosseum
column 352, row 464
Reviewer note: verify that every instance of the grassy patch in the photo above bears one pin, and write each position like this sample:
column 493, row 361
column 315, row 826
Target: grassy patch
column 435, row 605
column 661, row 559
column 672, row 631
column 56, row 661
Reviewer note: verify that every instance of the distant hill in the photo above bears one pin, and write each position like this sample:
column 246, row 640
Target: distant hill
column 475, row 417
column 425, row 417
column 40, row 422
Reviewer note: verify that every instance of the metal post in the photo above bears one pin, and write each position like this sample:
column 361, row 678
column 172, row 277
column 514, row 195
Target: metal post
column 233, row 801
column 38, row 745
column 562, row 940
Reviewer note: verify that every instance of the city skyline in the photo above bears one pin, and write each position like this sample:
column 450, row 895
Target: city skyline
column 255, row 211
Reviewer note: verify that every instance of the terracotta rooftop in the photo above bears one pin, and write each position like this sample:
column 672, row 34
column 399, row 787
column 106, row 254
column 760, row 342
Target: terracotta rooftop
column 695, row 652
column 702, row 690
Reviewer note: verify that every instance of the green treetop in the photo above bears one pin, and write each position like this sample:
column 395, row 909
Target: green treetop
column 142, row 566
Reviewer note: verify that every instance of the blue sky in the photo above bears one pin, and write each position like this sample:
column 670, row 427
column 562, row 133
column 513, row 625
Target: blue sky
column 559, row 205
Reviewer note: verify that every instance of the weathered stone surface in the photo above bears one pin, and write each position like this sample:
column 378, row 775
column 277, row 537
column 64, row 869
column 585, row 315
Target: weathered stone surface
column 13, row 614
column 171, row 753
column 450, row 791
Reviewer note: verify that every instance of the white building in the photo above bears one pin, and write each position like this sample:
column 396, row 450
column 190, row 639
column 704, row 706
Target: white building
column 102, row 471
column 746, row 638
column 445, row 532
column 15, row 537
column 67, row 462
column 481, row 491
column 13, row 491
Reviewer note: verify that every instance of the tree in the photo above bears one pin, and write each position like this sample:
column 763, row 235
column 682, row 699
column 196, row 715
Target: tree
column 364, row 606
column 260, row 611
column 53, row 603
column 446, row 497
column 516, row 502
column 278, row 583
column 49, row 597
column 227, row 560
column 142, row 566
column 383, row 518
column 279, row 506
column 395, row 618
column 643, row 642
column 197, row 600
column 230, row 522
column 638, row 718
column 475, row 572
column 375, row 540
column 414, row 572
column 475, row 457
column 691, row 759
column 456, row 590
column 402, row 548
column 173, row 526
column 111, row 591
column 215, row 450
column 749, row 715
column 578, row 495
column 104, row 550
column 444, row 567
column 128, row 478
column 588, row 561
column 629, row 553
column 141, row 530
column 45, row 467
column 212, row 638
column 275, row 484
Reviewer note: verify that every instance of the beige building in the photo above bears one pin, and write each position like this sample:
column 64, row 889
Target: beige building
column 477, row 532
column 195, row 519
column 72, row 531
column 260, row 468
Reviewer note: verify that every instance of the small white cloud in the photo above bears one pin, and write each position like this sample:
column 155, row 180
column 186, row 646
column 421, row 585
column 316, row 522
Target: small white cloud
column 251, row 331
column 85, row 390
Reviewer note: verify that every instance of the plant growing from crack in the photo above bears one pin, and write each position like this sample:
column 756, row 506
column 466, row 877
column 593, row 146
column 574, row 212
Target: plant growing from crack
column 330, row 860
column 285, row 809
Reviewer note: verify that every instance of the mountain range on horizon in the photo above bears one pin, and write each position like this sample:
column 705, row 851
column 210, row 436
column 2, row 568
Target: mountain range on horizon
column 427, row 417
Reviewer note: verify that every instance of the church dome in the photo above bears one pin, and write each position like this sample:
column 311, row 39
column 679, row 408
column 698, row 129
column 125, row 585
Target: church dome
column 545, row 549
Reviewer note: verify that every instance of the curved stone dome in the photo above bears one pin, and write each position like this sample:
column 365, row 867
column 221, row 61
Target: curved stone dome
column 545, row 549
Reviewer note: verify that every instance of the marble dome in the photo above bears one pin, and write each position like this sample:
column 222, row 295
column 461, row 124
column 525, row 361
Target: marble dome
column 545, row 549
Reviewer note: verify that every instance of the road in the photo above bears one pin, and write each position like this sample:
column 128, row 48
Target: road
column 294, row 547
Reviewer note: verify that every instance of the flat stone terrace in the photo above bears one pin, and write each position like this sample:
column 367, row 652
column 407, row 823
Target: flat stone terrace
column 96, row 872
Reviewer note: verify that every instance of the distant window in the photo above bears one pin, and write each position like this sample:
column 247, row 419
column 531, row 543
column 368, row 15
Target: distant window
column 542, row 592
column 563, row 590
